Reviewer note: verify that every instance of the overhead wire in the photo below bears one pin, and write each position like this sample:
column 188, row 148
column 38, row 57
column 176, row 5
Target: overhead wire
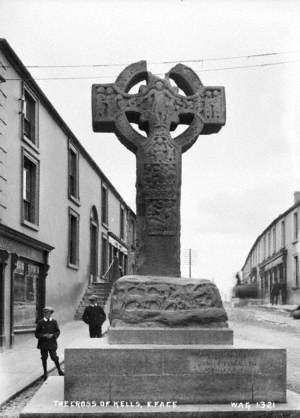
column 199, row 60
column 265, row 64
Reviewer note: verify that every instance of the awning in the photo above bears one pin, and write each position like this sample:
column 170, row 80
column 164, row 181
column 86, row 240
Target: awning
column 117, row 245
column 273, row 263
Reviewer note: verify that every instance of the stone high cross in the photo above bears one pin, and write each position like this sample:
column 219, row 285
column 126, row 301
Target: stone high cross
column 158, row 108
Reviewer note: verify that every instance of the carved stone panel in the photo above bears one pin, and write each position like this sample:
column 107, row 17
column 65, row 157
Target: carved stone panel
column 166, row 302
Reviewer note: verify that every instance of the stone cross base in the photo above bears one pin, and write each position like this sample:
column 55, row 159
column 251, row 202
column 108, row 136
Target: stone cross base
column 189, row 374
column 152, row 301
column 170, row 336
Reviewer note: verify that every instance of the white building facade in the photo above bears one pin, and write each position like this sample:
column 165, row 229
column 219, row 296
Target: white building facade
column 274, row 257
column 61, row 219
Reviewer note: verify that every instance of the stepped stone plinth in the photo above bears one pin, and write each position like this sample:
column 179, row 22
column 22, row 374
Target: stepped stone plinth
column 169, row 340
column 192, row 374
column 170, row 336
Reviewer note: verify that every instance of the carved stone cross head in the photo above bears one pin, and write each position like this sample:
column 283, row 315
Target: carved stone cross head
column 158, row 109
column 157, row 105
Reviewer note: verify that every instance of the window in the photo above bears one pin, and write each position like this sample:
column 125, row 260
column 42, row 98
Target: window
column 269, row 243
column 73, row 250
column 94, row 244
column 121, row 262
column 125, row 265
column 282, row 234
column 30, row 186
column 30, row 130
column 265, row 247
column 122, row 223
column 104, row 205
column 110, row 253
column 296, row 270
column 73, row 173
column 274, row 239
column 104, row 256
column 25, row 294
column 132, row 234
column 295, row 226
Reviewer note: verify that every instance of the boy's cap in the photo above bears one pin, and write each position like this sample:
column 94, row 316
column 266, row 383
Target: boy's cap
column 93, row 297
column 48, row 309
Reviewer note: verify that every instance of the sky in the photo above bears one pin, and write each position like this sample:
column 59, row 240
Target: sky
column 234, row 183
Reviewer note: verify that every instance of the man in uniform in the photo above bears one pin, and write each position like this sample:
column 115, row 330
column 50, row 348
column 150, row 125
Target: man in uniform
column 47, row 332
column 94, row 316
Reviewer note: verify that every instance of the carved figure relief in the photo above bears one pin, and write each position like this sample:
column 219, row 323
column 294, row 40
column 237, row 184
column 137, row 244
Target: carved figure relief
column 159, row 178
column 165, row 301
column 161, row 217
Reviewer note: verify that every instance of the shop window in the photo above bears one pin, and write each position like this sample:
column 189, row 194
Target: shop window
column 25, row 295
column 73, row 173
column 30, row 185
column 104, row 205
column 73, row 250
column 30, row 118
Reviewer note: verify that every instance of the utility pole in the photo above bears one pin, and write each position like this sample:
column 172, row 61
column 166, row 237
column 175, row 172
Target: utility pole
column 190, row 262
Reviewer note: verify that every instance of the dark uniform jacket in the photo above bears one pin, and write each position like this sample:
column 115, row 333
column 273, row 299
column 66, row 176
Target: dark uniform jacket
column 94, row 315
column 47, row 327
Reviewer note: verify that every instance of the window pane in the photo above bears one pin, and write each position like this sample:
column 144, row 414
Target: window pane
column 122, row 223
column 104, row 256
column 25, row 294
column 73, row 239
column 73, row 173
column 104, row 211
column 29, row 190
column 29, row 117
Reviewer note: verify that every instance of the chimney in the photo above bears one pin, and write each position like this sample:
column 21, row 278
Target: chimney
column 296, row 197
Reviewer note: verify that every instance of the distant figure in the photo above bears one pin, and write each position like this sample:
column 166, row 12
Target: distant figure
column 94, row 316
column 120, row 271
column 283, row 292
column 47, row 332
column 275, row 293
column 238, row 279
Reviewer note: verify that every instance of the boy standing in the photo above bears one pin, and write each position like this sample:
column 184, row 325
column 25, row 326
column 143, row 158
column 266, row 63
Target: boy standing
column 47, row 332
column 94, row 316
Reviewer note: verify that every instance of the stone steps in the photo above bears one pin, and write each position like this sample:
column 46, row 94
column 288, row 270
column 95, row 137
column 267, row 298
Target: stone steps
column 101, row 290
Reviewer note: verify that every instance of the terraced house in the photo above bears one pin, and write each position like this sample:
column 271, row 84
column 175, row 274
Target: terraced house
column 63, row 225
column 274, row 258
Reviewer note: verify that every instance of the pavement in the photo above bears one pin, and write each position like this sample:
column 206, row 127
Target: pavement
column 21, row 365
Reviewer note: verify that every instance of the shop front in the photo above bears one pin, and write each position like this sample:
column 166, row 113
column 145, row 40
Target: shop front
column 23, row 267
